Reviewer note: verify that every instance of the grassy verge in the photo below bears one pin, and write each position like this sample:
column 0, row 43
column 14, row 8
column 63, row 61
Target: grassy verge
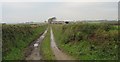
column 47, row 53
column 16, row 38
column 88, row 41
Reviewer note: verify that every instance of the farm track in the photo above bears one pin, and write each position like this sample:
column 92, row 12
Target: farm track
column 35, row 53
column 59, row 55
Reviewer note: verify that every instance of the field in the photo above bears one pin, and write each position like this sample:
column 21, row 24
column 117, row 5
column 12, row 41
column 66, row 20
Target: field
column 16, row 38
column 88, row 41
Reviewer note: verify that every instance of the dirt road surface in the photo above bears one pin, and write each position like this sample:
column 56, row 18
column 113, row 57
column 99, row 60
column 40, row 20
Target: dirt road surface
column 59, row 55
column 35, row 54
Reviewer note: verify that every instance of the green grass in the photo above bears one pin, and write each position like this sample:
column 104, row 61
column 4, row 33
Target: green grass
column 47, row 53
column 75, row 40
column 16, row 38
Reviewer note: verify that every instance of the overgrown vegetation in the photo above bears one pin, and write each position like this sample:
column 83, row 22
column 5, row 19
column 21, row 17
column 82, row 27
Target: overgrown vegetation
column 88, row 41
column 0, row 42
column 46, row 51
column 16, row 38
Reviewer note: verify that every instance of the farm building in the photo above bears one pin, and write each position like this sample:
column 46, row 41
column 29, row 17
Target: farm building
column 53, row 20
column 57, row 22
column 60, row 22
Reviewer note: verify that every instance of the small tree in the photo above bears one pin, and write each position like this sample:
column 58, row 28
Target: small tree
column 50, row 20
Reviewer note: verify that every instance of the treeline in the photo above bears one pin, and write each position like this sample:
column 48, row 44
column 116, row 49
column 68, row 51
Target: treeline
column 15, row 38
column 88, row 41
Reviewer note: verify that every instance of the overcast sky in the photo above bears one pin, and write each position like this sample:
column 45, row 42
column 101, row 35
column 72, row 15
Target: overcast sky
column 41, row 11
column 59, row 0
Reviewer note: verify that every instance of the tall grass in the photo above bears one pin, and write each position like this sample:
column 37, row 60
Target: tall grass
column 16, row 38
column 88, row 41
